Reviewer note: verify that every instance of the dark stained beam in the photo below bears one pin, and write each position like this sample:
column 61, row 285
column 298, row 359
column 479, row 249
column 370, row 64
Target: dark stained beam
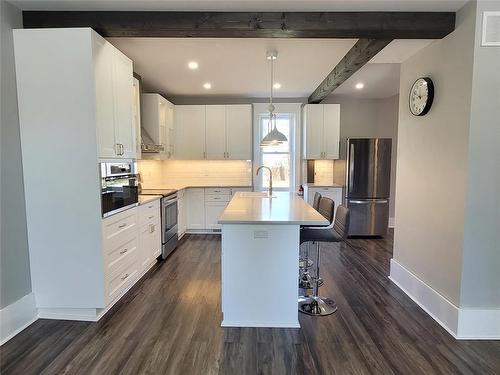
column 375, row 25
column 355, row 58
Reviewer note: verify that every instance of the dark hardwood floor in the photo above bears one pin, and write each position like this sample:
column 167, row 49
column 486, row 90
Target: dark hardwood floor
column 170, row 324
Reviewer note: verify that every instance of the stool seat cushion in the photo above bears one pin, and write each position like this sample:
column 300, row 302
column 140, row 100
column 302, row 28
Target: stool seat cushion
column 319, row 235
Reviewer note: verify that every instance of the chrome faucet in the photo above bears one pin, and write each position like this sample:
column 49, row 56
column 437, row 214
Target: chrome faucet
column 270, row 178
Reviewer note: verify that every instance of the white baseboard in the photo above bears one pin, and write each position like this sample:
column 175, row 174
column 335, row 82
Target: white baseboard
column 475, row 324
column 226, row 323
column 16, row 317
column 461, row 323
column 392, row 221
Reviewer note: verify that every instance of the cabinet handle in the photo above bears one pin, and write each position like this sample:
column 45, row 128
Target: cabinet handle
column 216, row 198
column 125, row 276
column 123, row 251
column 204, row 155
column 122, row 225
column 150, row 206
column 151, row 228
column 150, row 217
column 117, row 149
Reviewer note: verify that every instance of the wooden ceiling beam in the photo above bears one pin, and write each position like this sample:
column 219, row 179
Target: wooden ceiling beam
column 355, row 58
column 375, row 25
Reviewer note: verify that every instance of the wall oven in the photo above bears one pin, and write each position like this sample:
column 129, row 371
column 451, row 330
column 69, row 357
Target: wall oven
column 169, row 224
column 119, row 187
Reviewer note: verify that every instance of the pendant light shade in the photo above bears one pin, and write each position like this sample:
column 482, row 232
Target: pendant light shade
column 274, row 137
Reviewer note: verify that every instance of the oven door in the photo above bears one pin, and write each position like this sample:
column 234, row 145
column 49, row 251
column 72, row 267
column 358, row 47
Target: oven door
column 118, row 194
column 169, row 218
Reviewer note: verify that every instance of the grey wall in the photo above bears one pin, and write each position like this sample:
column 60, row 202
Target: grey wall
column 432, row 161
column 370, row 118
column 14, row 267
column 480, row 284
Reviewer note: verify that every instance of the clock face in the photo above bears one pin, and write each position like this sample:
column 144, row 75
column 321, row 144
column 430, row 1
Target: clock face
column 421, row 96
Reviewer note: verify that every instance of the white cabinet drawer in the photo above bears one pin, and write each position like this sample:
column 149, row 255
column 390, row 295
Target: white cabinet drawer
column 217, row 191
column 149, row 212
column 218, row 198
column 119, row 225
column 122, row 253
column 121, row 279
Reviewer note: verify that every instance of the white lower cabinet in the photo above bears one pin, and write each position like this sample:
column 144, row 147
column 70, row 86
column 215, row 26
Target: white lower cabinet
column 195, row 209
column 181, row 213
column 202, row 208
column 131, row 243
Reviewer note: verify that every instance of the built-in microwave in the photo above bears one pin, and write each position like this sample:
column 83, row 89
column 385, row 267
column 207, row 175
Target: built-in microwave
column 119, row 187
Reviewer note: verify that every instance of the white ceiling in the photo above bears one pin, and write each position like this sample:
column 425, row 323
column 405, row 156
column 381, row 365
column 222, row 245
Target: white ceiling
column 244, row 5
column 234, row 67
column 238, row 67
column 380, row 80
column 381, row 75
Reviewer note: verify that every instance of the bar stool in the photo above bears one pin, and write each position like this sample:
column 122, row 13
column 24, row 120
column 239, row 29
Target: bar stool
column 314, row 304
column 305, row 278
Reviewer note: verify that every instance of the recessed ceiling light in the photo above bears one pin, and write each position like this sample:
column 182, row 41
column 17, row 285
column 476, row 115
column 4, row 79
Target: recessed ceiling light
column 277, row 85
column 193, row 65
column 359, row 85
column 207, row 86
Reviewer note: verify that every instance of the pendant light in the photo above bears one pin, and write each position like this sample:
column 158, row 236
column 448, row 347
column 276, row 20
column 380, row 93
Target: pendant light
column 274, row 137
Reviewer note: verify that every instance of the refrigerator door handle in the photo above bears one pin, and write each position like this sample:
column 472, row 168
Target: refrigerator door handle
column 368, row 201
column 351, row 167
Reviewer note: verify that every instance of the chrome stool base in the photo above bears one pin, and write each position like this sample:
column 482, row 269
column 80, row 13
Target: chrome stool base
column 307, row 282
column 317, row 306
column 305, row 263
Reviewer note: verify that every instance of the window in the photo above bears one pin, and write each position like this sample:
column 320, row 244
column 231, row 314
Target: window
column 278, row 158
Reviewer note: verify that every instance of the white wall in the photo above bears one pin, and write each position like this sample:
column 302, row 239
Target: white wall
column 480, row 284
column 370, row 118
column 14, row 270
column 432, row 161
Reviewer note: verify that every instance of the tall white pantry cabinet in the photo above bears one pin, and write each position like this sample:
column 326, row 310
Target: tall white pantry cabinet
column 75, row 107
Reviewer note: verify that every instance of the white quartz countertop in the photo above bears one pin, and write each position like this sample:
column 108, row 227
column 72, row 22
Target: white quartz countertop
column 143, row 199
column 283, row 208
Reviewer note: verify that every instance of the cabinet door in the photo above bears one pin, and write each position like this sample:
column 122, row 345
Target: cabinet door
column 313, row 123
column 189, row 132
column 181, row 219
column 213, row 210
column 331, row 130
column 123, row 89
column 144, row 255
column 155, row 239
column 103, row 55
column 169, row 117
column 136, row 115
column 216, row 131
column 239, row 132
column 195, row 208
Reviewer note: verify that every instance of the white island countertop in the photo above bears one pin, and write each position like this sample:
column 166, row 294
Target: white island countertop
column 282, row 208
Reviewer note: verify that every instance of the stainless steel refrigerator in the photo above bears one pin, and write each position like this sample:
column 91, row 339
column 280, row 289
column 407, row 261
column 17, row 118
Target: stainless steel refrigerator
column 368, row 182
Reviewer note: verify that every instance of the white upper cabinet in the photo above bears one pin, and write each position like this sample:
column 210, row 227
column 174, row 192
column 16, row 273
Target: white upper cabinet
column 123, row 102
column 136, row 115
column 158, row 121
column 189, row 132
column 226, row 132
column 114, row 100
column 321, row 124
column 331, row 122
column 239, row 132
column 216, row 132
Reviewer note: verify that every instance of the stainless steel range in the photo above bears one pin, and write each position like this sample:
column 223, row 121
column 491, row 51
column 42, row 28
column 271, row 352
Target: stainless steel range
column 169, row 236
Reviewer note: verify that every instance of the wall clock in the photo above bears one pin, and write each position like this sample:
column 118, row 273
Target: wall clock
column 421, row 96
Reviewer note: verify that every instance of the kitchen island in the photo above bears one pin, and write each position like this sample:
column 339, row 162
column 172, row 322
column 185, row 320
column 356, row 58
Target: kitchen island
column 260, row 258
